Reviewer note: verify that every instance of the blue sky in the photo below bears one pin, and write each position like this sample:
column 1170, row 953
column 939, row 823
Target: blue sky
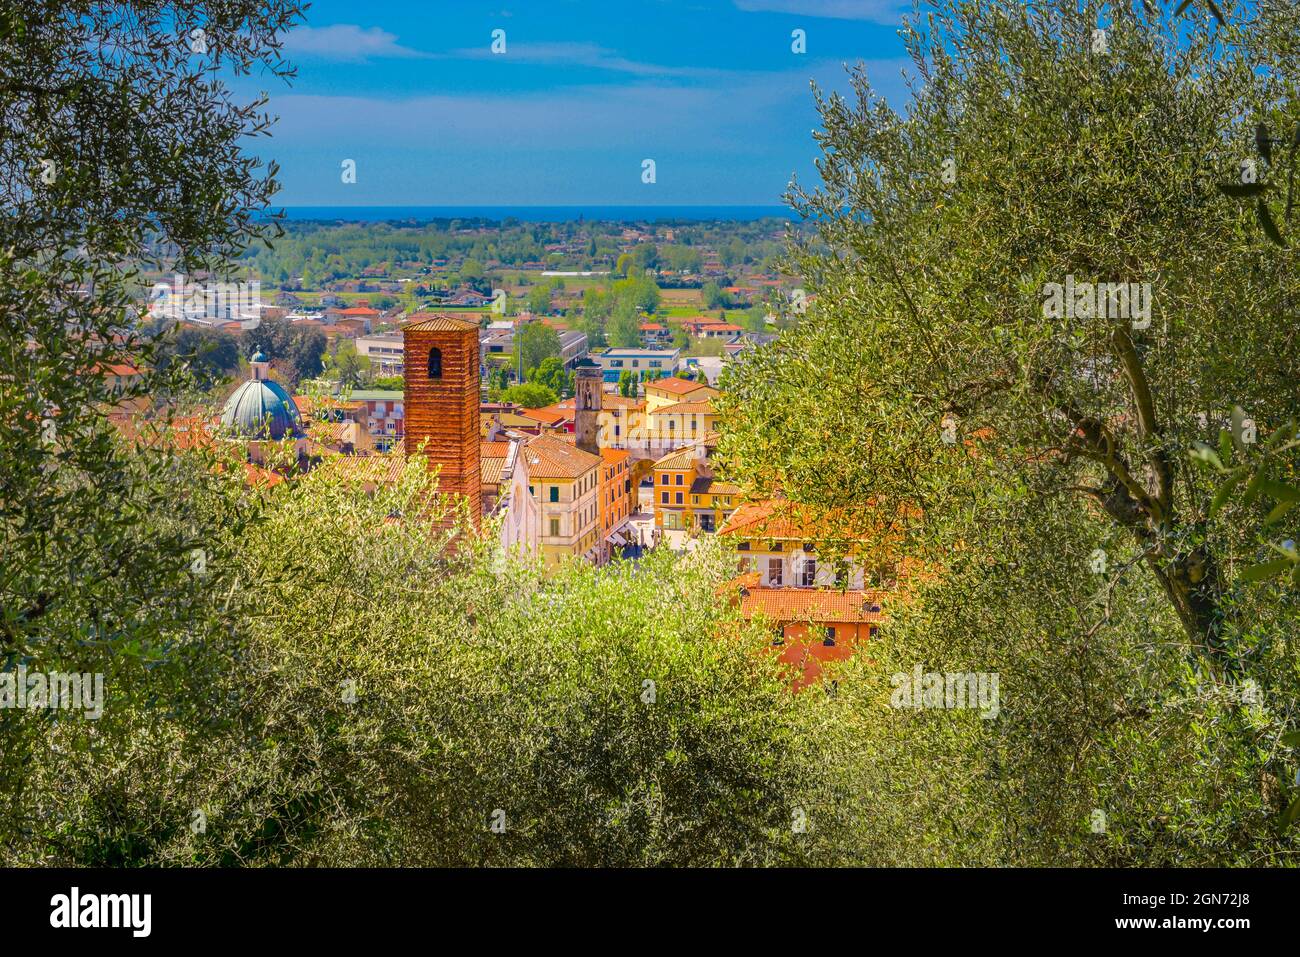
column 585, row 91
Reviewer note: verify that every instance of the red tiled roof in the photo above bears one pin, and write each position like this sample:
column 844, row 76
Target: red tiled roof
column 676, row 386
column 811, row 604
column 680, row 460
column 378, row 469
column 704, row 407
column 549, row 457
column 425, row 322
column 490, row 470
column 547, row 416
column 772, row 519
column 117, row 369
column 258, row 477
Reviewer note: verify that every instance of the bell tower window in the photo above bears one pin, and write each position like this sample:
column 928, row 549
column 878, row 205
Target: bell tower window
column 435, row 363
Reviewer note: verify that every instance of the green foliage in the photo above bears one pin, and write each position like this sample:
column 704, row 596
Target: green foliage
column 302, row 350
column 616, row 718
column 1037, row 459
column 539, row 300
column 534, row 342
column 530, row 395
column 347, row 366
column 714, row 297
column 103, row 189
column 210, row 355
column 958, row 318
column 624, row 327
column 552, row 374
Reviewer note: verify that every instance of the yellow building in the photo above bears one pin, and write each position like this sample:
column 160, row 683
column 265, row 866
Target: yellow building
column 687, row 496
column 683, row 422
column 564, row 481
column 780, row 542
column 675, row 413
column 619, row 417
column 663, row 392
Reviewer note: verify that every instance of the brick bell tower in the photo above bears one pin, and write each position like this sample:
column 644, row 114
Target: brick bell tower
column 586, row 403
column 442, row 403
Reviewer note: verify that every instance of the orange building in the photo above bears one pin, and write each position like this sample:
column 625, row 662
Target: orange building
column 442, row 398
column 812, row 580
column 813, row 626
column 616, row 494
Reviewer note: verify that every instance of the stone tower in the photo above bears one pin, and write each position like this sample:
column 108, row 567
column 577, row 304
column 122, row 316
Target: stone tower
column 441, row 403
column 586, row 406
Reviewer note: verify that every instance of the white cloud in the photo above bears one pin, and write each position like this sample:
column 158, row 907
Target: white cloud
column 878, row 11
column 723, row 115
column 347, row 41
column 582, row 54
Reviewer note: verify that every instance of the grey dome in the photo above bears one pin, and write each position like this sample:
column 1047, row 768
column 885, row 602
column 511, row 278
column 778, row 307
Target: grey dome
column 260, row 409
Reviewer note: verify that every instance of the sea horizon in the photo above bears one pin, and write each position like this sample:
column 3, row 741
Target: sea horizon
column 538, row 213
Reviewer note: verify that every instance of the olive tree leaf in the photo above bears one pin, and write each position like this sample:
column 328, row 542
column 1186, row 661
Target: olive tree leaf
column 1290, row 814
column 1266, row 221
column 1225, row 490
column 1279, row 511
column 1265, row 570
column 1263, row 143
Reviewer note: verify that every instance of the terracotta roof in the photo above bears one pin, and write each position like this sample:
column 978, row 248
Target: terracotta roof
column 490, row 469
column 434, row 323
column 306, row 404
column 811, row 604
column 681, row 459
column 772, row 519
column 546, row 416
column 713, row 487
column 614, row 456
column 493, row 450
column 701, row 406
column 332, row 433
column 564, row 406
column 379, row 469
column 549, row 457
column 620, row 402
column 676, row 386
column 258, row 477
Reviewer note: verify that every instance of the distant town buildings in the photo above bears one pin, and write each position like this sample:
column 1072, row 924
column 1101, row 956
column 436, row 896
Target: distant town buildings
column 614, row 362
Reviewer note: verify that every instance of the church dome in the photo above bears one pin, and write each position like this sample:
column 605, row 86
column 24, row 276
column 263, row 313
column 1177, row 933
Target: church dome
column 260, row 409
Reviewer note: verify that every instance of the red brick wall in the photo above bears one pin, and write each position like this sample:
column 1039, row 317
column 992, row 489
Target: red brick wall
column 443, row 413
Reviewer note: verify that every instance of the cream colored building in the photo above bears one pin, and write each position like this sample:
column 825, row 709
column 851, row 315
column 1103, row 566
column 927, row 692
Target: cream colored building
column 564, row 483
